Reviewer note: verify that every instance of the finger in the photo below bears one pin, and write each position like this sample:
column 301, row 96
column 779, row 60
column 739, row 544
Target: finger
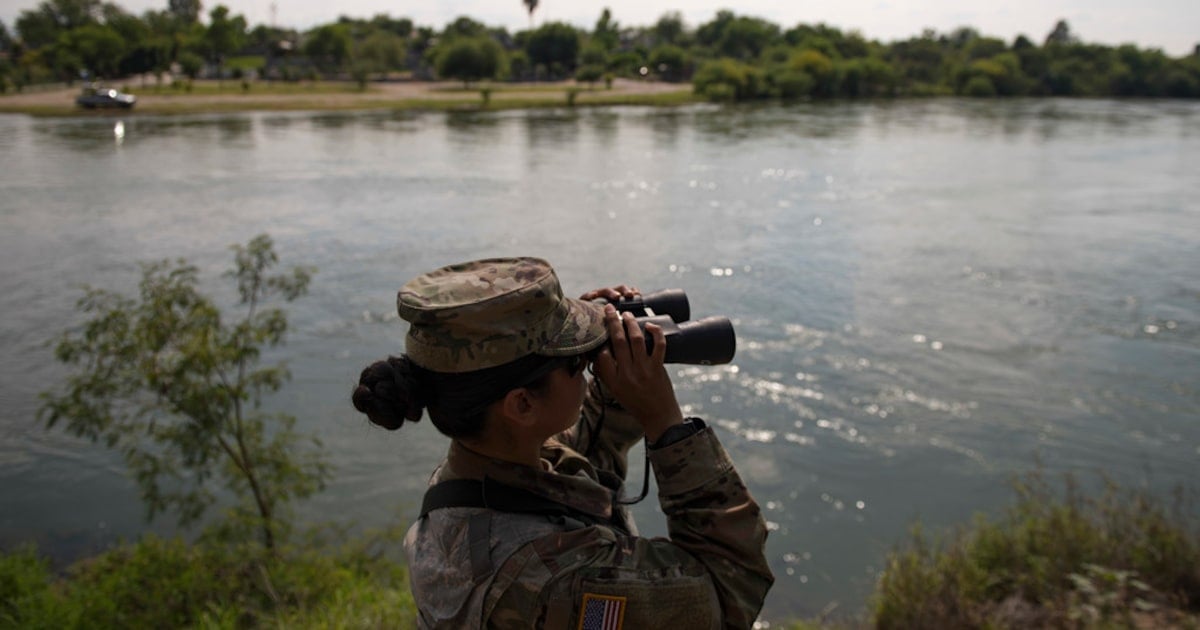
column 605, row 368
column 611, row 294
column 630, row 292
column 637, row 339
column 660, row 343
column 616, row 335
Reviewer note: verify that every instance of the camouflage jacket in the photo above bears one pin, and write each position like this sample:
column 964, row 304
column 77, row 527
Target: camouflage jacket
column 479, row 568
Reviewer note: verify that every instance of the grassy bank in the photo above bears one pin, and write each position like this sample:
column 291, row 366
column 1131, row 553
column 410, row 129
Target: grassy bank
column 1055, row 560
column 231, row 96
column 158, row 583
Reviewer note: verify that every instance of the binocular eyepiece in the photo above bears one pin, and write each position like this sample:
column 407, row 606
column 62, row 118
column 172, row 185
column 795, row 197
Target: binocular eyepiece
column 709, row 341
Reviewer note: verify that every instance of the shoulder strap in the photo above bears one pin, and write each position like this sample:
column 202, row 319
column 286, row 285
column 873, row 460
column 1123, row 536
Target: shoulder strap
column 493, row 495
column 453, row 493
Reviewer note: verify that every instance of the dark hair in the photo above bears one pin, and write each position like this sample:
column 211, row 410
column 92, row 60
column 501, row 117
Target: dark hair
column 396, row 389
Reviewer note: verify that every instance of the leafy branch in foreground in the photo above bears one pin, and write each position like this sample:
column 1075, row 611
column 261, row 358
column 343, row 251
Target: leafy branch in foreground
column 177, row 389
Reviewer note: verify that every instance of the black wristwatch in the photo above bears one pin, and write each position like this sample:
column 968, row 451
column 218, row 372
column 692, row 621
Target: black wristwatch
column 678, row 432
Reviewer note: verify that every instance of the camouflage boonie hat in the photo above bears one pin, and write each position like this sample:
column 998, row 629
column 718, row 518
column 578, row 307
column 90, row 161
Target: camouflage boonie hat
column 484, row 313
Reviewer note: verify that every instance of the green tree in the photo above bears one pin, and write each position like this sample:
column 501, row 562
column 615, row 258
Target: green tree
column 42, row 26
column 920, row 59
column 589, row 74
column 465, row 27
column 709, row 33
column 819, row 67
column 61, row 59
column 400, row 27
column 745, row 38
column 381, row 51
column 98, row 48
column 518, row 65
column 669, row 29
column 167, row 380
column 607, row 33
column 1061, row 35
column 593, row 55
column 329, row 46
column 867, row 77
column 190, row 63
column 553, row 45
column 6, row 41
column 6, row 69
column 142, row 47
column 186, row 12
column 224, row 35
column 984, row 47
column 469, row 59
column 669, row 62
column 729, row 80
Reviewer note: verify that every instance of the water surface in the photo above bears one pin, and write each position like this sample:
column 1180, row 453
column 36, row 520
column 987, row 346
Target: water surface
column 929, row 295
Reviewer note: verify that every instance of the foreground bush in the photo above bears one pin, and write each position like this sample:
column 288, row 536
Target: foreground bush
column 1120, row 560
column 158, row 583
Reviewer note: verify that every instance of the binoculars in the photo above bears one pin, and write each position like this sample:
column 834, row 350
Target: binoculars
column 709, row 341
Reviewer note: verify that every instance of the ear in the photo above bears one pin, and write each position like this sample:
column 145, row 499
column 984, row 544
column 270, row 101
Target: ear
column 518, row 407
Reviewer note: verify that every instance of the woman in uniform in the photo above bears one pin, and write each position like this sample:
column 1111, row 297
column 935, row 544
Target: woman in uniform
column 523, row 524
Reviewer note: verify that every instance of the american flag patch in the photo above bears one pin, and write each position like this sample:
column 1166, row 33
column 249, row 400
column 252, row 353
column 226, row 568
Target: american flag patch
column 602, row 612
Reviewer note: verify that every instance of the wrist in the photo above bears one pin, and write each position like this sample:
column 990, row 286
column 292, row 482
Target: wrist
column 654, row 430
column 677, row 433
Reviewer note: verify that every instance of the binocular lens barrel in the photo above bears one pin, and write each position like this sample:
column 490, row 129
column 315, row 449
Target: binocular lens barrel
column 709, row 341
column 671, row 302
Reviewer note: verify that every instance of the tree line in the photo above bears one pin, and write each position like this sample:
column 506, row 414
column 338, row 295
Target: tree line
column 730, row 57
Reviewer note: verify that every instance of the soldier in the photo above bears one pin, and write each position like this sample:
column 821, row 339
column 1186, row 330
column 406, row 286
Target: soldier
column 522, row 525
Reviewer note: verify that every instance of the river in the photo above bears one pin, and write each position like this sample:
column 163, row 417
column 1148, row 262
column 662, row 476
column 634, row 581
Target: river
column 930, row 296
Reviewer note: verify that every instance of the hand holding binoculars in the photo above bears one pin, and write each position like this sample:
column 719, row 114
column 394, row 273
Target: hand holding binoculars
column 709, row 341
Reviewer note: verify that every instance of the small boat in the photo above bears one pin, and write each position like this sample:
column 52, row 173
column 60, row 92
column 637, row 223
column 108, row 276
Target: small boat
column 94, row 96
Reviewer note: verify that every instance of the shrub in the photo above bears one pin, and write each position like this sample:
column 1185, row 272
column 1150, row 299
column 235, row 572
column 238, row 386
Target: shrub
column 589, row 74
column 669, row 62
column 191, row 64
column 175, row 385
column 727, row 79
column 27, row 599
column 157, row 583
column 819, row 67
column 518, row 65
column 719, row 92
column 470, row 59
column 980, row 87
column 792, row 83
column 1121, row 559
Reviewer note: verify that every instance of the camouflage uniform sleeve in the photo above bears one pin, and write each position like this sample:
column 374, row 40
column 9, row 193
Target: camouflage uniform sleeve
column 712, row 572
column 619, row 433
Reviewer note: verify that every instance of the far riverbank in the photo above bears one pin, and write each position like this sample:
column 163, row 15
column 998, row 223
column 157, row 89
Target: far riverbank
column 232, row 96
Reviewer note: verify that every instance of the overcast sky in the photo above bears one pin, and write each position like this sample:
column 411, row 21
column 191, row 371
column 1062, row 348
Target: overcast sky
column 1172, row 25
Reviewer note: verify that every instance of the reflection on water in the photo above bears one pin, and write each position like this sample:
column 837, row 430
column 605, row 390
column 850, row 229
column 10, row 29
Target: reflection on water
column 928, row 294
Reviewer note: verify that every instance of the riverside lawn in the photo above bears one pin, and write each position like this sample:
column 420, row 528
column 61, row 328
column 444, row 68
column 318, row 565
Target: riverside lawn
column 231, row 96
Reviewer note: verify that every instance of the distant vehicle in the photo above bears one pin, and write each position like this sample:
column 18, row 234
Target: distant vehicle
column 94, row 96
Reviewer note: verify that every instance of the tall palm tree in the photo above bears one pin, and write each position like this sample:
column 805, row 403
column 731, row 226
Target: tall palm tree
column 531, row 5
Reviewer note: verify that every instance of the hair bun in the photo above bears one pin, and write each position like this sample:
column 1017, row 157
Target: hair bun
column 389, row 392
